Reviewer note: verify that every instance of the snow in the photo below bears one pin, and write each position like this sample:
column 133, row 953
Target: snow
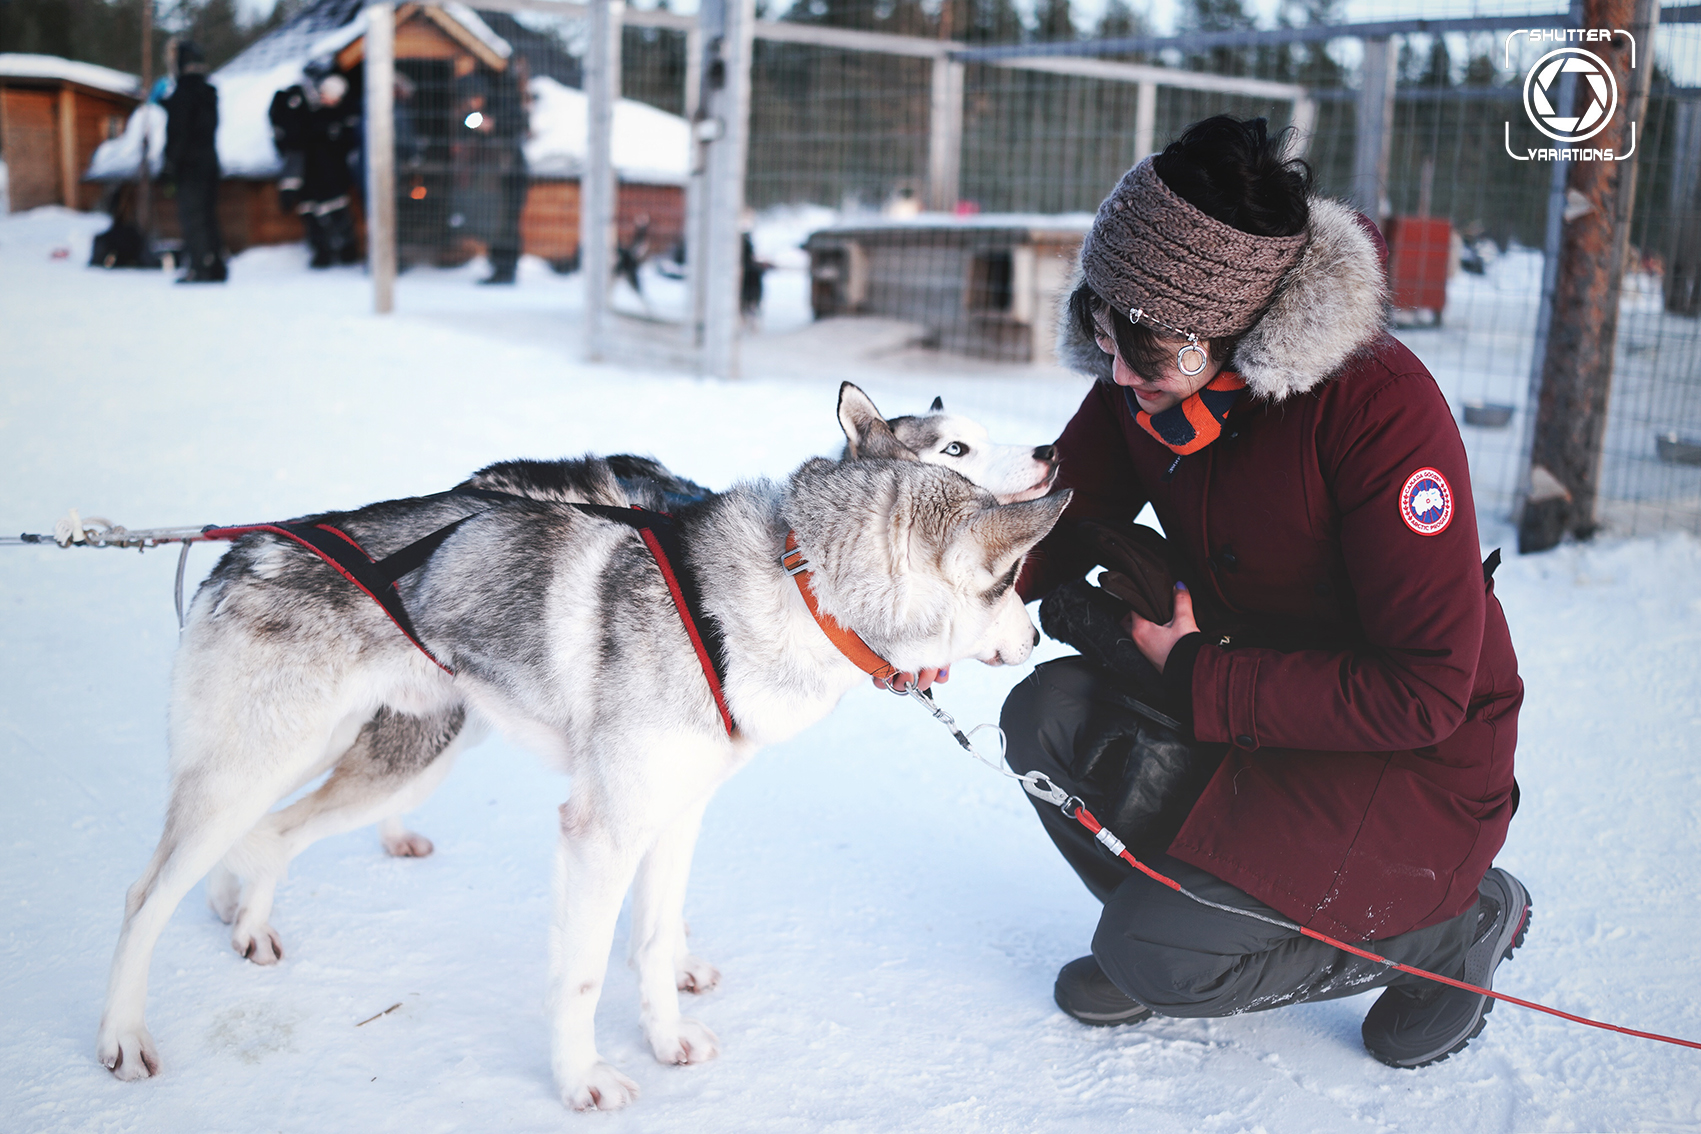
column 887, row 915
column 21, row 66
column 650, row 145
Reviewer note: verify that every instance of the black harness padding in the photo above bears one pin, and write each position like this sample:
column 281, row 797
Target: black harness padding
column 377, row 578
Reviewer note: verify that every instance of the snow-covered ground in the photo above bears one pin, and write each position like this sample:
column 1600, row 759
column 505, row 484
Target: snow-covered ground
column 887, row 915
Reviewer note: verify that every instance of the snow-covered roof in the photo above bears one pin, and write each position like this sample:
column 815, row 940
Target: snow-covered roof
column 303, row 38
column 650, row 145
column 470, row 20
column 13, row 66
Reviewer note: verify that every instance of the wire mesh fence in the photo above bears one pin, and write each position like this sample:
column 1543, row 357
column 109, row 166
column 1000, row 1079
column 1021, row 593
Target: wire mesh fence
column 941, row 198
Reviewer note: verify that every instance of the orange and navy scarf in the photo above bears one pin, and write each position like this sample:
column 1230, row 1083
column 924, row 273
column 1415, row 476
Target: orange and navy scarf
column 1194, row 422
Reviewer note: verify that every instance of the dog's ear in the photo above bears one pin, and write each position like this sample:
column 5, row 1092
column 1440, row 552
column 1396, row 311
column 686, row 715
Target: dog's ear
column 867, row 436
column 1007, row 530
column 938, row 406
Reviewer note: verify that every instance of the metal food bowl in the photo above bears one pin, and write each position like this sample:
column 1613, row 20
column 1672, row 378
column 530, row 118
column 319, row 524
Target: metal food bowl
column 1491, row 415
column 1678, row 450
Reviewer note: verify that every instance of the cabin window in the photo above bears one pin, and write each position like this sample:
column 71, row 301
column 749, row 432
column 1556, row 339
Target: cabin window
column 114, row 126
column 991, row 273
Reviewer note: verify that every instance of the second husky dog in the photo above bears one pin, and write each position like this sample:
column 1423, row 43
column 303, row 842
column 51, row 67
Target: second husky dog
column 560, row 630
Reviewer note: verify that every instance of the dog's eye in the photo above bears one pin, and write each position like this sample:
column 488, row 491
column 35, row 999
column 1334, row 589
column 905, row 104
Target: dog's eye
column 955, row 449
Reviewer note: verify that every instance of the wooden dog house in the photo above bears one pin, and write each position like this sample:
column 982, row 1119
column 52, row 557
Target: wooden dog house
column 54, row 113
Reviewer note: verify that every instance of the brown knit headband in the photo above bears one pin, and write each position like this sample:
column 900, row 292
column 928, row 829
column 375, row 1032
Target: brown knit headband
column 1151, row 251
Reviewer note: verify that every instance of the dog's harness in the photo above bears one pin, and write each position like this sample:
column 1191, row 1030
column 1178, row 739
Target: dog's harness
column 377, row 578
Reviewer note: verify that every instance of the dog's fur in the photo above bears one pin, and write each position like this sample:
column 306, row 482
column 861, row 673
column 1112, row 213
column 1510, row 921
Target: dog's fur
column 1009, row 472
column 562, row 634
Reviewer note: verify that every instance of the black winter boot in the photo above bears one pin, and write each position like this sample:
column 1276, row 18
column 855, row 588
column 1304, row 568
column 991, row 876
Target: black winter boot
column 1423, row 1022
column 1083, row 991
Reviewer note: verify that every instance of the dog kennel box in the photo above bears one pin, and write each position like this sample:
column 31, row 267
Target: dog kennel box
column 986, row 285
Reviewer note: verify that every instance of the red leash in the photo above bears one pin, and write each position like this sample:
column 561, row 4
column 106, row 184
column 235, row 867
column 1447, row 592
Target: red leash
column 1040, row 787
column 1086, row 819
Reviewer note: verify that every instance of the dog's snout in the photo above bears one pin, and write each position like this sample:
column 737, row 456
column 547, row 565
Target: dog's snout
column 1045, row 452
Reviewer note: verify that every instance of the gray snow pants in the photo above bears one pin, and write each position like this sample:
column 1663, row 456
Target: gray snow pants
column 1175, row 956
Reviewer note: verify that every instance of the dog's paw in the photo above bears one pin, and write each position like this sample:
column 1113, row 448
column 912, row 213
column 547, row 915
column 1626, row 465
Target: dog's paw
column 261, row 944
column 685, row 1042
column 694, row 974
column 600, row 1088
column 129, row 1053
column 406, row 844
column 224, row 893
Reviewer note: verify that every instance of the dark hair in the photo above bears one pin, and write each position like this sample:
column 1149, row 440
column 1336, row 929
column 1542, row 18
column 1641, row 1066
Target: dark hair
column 1230, row 169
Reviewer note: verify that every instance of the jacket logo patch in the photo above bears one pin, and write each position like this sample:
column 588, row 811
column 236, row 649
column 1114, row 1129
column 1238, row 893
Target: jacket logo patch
column 1426, row 502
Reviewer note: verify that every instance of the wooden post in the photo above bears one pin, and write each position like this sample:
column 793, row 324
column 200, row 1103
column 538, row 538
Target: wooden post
column 1145, row 119
column 726, row 111
column 694, row 191
column 68, row 146
column 1375, row 128
column 598, row 186
column 945, row 136
column 1304, row 122
column 1582, row 332
column 144, row 174
column 381, row 153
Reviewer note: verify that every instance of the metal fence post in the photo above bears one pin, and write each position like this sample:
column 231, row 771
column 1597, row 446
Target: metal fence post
column 945, row 136
column 725, row 128
column 381, row 154
column 1304, row 121
column 1374, row 128
column 598, row 184
column 1145, row 119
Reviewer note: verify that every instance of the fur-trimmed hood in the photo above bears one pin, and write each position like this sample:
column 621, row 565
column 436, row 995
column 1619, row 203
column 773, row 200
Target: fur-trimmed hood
column 1331, row 304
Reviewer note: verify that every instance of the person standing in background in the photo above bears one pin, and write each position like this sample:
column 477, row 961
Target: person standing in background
column 192, row 163
column 333, row 131
column 493, row 179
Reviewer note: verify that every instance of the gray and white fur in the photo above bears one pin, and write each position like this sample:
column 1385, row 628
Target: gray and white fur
column 1009, row 472
column 562, row 634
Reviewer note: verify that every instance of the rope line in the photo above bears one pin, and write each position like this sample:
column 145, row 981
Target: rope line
column 1040, row 787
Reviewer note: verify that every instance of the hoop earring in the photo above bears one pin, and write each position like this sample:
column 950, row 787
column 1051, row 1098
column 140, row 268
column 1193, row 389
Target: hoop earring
column 1194, row 347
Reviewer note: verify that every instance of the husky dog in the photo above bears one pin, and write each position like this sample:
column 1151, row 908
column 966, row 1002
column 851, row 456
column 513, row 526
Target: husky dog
column 560, row 631
column 1009, row 472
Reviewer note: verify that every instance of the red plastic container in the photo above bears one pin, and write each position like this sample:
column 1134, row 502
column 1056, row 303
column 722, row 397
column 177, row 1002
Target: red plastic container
column 1417, row 267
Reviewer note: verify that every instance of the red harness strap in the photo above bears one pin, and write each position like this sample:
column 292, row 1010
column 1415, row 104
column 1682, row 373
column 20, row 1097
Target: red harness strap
column 377, row 578
column 849, row 642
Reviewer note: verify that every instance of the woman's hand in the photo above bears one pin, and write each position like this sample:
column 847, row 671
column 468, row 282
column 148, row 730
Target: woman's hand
column 1156, row 641
column 901, row 682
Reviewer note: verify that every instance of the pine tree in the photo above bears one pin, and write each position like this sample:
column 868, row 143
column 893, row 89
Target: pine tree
column 1052, row 21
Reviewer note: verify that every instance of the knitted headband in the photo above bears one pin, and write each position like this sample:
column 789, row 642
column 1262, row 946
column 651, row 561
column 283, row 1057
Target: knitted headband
column 1152, row 252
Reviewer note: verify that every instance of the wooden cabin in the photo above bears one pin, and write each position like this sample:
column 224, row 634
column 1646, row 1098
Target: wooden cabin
column 54, row 113
column 433, row 44
column 986, row 285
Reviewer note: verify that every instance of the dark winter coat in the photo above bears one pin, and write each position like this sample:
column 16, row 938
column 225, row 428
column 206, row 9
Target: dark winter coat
column 191, row 128
column 291, row 115
column 1372, row 717
column 332, row 134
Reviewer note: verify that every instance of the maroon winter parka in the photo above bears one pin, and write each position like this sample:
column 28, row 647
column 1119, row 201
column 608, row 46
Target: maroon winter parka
column 1369, row 781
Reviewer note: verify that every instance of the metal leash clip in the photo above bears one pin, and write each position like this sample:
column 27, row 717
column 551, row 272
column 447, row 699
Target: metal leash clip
column 1038, row 786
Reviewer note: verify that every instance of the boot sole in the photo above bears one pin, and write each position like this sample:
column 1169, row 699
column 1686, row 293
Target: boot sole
column 1487, row 1002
